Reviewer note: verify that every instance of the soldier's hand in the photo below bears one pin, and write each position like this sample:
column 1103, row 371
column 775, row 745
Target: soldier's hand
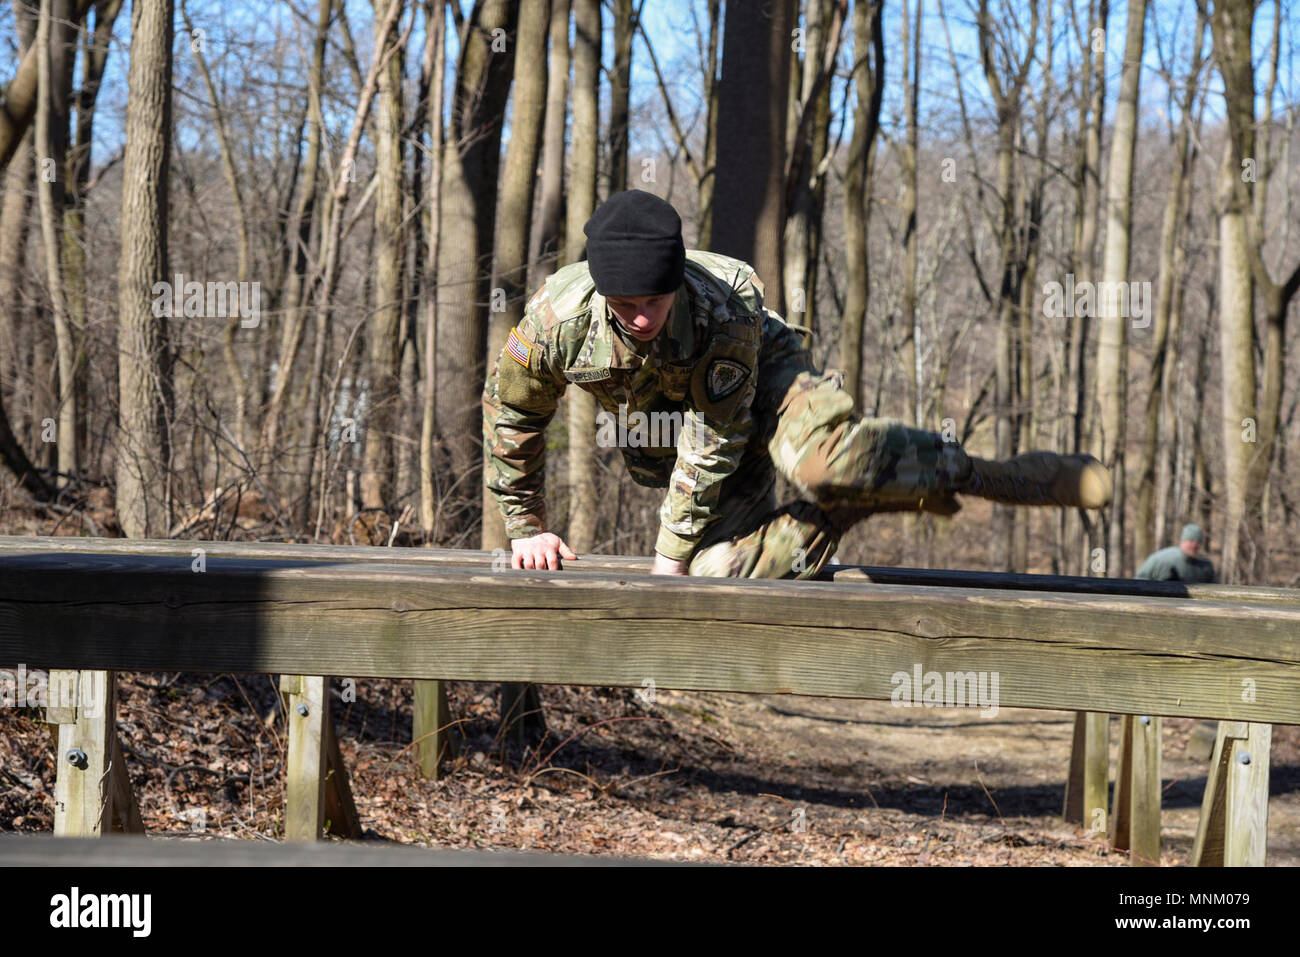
column 667, row 566
column 542, row 551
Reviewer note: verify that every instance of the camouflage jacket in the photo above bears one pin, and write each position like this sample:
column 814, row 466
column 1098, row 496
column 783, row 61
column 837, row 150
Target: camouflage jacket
column 697, row 378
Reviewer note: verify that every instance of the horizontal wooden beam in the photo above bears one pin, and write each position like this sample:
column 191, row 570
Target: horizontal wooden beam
column 627, row 564
column 1134, row 655
column 31, row 850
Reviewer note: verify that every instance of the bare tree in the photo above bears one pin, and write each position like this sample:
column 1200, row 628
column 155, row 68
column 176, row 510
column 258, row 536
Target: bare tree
column 1112, row 353
column 868, row 76
column 582, row 203
column 749, row 191
column 144, row 360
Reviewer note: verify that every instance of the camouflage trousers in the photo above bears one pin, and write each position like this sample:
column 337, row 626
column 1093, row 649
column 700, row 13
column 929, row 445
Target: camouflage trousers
column 844, row 466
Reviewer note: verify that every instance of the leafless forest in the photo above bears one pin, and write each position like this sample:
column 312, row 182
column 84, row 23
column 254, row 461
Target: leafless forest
column 257, row 258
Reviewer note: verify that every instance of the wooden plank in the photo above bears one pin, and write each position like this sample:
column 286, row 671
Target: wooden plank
column 1122, row 805
column 305, row 764
column 1146, row 792
column 341, row 817
column 1096, row 771
column 1068, row 652
column 625, row 564
column 1246, row 818
column 430, row 728
column 1135, row 819
column 36, row 850
column 126, row 812
column 83, row 798
column 1207, row 845
column 1072, row 810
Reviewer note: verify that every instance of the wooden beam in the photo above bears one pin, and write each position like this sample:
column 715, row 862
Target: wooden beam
column 307, row 704
column 126, row 812
column 1087, row 785
column 42, row 850
column 83, row 795
column 341, row 817
column 1069, row 652
column 430, row 728
column 1233, row 825
column 1135, row 819
column 625, row 564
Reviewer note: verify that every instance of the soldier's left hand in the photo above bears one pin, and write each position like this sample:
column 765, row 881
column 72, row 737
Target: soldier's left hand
column 667, row 566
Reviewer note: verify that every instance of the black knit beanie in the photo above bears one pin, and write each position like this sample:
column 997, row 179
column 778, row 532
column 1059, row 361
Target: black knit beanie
column 634, row 245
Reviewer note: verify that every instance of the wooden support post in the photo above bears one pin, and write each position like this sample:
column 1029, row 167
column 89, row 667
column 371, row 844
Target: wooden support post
column 1087, row 787
column 341, row 816
column 92, row 791
column 317, row 790
column 430, row 727
column 1233, row 827
column 1135, row 819
column 521, row 714
column 304, row 804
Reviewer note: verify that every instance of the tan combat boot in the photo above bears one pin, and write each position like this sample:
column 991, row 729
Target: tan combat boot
column 1041, row 478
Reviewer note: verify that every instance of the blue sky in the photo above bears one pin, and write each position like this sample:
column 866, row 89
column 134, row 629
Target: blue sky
column 230, row 25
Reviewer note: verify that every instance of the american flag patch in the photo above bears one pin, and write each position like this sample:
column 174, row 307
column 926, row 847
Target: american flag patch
column 519, row 349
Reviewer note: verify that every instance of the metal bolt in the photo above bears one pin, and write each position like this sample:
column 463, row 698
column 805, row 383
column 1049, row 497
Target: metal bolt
column 77, row 758
column 1243, row 758
column 1145, row 719
column 302, row 709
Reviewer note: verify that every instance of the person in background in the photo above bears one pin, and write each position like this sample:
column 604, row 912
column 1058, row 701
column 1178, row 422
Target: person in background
column 1180, row 563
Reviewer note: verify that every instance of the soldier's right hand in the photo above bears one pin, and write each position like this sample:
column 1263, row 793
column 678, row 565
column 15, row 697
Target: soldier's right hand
column 542, row 551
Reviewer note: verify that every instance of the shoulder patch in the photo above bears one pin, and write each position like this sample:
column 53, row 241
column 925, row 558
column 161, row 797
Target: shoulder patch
column 724, row 377
column 519, row 348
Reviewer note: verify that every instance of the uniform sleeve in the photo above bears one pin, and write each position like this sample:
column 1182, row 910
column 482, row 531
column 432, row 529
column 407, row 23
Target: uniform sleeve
column 519, row 400
column 717, row 423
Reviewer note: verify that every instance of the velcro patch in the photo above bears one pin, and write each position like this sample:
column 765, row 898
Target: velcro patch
column 724, row 377
column 518, row 348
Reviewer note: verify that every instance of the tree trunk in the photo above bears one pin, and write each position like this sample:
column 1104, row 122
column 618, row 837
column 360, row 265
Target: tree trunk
column 749, row 192
column 1083, row 256
column 434, row 67
column 144, row 361
column 620, row 84
column 18, row 107
column 55, row 44
column 582, row 203
column 868, row 79
column 707, row 178
column 470, row 168
column 383, row 342
column 544, row 247
column 1112, row 353
column 1231, row 27
column 510, row 259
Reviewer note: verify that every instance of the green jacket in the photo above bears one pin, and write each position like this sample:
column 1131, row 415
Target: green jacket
column 698, row 375
column 1173, row 565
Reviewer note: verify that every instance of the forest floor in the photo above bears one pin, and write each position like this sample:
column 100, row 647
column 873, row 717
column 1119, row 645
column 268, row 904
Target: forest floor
column 703, row 777
column 706, row 777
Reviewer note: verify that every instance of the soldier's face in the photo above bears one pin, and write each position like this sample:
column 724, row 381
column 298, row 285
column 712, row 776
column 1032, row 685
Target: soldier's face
column 1190, row 547
column 642, row 316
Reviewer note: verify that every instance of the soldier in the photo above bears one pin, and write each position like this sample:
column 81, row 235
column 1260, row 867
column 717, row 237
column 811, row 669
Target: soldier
column 664, row 336
column 1179, row 563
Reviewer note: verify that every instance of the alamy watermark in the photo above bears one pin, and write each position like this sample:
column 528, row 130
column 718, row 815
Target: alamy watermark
column 208, row 300
column 638, row 430
column 1129, row 300
column 35, row 688
column 946, row 689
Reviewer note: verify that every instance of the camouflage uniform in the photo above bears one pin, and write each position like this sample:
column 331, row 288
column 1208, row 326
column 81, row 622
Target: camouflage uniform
column 750, row 402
